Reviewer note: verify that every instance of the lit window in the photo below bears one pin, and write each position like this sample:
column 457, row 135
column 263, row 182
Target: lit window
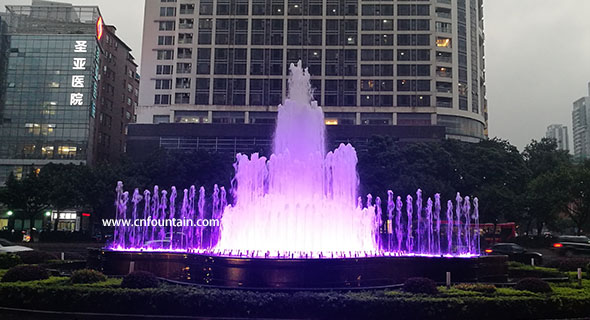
column 331, row 122
column 443, row 42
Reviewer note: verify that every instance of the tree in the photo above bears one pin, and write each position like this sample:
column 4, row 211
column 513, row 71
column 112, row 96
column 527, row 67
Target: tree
column 576, row 181
column 543, row 162
column 64, row 182
column 28, row 197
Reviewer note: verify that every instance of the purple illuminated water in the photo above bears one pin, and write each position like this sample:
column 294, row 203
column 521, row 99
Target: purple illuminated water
column 302, row 202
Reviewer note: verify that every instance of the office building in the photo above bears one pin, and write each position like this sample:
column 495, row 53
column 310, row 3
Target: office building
column 394, row 63
column 580, row 122
column 69, row 88
column 560, row 134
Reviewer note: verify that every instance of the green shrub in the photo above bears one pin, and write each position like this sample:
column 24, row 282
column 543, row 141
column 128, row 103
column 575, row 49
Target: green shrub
column 420, row 285
column 25, row 273
column 140, row 280
column 477, row 287
column 9, row 260
column 87, row 276
column 519, row 270
column 35, row 257
column 572, row 264
column 533, row 285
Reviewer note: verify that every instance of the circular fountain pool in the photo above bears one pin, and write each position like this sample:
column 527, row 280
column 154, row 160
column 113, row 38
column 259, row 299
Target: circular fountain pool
column 297, row 221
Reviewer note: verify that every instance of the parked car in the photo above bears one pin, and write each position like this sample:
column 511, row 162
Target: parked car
column 572, row 245
column 515, row 253
column 9, row 247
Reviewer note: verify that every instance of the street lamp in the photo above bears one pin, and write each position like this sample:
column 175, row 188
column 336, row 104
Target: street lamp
column 9, row 213
column 48, row 214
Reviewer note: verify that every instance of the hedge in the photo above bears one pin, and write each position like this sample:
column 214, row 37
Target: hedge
column 567, row 302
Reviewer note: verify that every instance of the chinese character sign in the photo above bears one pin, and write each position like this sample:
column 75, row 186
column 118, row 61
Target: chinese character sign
column 78, row 81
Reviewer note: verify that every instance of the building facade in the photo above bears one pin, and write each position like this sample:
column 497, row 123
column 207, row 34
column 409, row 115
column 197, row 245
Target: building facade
column 396, row 63
column 580, row 122
column 560, row 133
column 55, row 88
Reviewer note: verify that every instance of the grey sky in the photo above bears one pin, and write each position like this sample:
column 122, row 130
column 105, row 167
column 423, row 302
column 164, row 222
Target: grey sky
column 537, row 59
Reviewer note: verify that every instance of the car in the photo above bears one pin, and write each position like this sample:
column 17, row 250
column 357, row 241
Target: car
column 515, row 252
column 9, row 247
column 572, row 245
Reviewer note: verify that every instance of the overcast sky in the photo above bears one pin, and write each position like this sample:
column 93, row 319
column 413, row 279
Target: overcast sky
column 537, row 59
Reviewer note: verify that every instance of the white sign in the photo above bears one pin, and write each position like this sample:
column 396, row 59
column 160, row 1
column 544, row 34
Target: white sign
column 81, row 47
column 79, row 64
column 77, row 98
column 77, row 81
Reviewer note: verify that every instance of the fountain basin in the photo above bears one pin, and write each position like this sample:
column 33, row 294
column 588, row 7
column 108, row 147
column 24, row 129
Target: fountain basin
column 224, row 271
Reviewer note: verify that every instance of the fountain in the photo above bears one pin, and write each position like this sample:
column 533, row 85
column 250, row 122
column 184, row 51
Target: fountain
column 296, row 219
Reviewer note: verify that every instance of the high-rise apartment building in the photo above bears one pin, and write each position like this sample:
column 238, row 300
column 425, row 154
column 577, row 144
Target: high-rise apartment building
column 560, row 133
column 69, row 87
column 580, row 121
column 388, row 63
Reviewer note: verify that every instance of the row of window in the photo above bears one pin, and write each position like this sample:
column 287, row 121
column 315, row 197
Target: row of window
column 330, row 99
column 276, row 67
column 310, row 8
column 297, row 24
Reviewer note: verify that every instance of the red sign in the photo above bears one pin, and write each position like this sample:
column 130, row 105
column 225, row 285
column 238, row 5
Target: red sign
column 86, row 214
column 99, row 28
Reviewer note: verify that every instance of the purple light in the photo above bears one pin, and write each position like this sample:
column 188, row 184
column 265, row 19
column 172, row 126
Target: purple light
column 300, row 203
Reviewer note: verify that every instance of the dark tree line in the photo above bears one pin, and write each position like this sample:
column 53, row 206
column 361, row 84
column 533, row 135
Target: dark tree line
column 536, row 188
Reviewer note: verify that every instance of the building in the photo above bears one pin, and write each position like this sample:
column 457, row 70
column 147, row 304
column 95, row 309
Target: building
column 395, row 63
column 560, row 134
column 580, row 123
column 69, row 88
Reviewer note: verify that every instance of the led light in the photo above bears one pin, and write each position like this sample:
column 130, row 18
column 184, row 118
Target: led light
column 9, row 213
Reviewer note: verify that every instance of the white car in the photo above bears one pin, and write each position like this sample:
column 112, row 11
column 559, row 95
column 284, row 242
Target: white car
column 9, row 247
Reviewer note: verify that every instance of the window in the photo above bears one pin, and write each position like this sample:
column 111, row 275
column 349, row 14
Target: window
column 413, row 10
column 443, row 42
column 184, row 53
column 413, row 39
column 183, row 67
column 162, row 99
column 164, row 69
column 413, row 25
column 167, row 25
column 161, row 119
column 185, row 38
column 165, row 40
column 187, row 9
column 191, row 116
column 444, row 72
column 164, row 84
column 183, row 83
column 443, row 27
column 182, row 98
column 167, row 11
column 165, row 54
column 186, row 23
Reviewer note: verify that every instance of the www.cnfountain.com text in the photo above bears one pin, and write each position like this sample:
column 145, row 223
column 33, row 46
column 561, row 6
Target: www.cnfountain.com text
column 149, row 222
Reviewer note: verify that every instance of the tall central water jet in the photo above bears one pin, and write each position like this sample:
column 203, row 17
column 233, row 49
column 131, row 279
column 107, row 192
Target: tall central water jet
column 301, row 199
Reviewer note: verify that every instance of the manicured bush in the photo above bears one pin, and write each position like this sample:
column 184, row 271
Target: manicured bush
column 533, row 285
column 140, row 280
column 35, row 257
column 9, row 260
column 477, row 287
column 420, row 285
column 87, row 276
column 25, row 273
column 572, row 264
column 518, row 270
